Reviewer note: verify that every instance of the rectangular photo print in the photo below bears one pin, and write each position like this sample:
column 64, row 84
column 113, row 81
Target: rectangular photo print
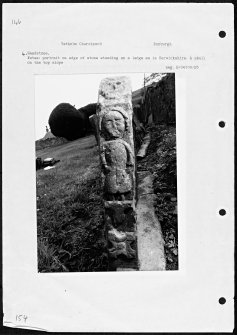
column 106, row 176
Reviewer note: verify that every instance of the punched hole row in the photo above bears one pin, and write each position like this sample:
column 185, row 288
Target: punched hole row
column 222, row 211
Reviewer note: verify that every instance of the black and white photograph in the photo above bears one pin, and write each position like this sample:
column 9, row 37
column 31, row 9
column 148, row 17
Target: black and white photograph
column 118, row 167
column 106, row 176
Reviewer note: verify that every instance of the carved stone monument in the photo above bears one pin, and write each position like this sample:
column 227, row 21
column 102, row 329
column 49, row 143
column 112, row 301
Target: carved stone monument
column 114, row 112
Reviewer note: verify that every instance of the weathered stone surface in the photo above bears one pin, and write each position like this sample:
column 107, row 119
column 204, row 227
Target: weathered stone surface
column 114, row 112
column 120, row 215
column 116, row 157
column 121, row 243
column 115, row 99
column 144, row 147
column 150, row 240
column 145, row 184
column 117, row 151
column 115, row 88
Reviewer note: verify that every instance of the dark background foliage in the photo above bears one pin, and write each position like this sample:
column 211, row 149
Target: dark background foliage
column 68, row 122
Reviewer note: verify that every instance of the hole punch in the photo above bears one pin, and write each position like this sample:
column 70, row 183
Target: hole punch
column 222, row 212
column 222, row 124
column 222, row 34
column 222, row 301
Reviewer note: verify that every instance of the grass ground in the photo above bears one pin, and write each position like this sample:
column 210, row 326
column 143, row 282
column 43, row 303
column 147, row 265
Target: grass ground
column 69, row 209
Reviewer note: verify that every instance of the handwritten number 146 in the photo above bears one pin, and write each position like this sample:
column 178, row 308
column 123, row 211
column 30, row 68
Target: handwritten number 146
column 16, row 21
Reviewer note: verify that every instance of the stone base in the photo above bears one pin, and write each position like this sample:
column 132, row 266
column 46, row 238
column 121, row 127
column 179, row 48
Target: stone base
column 123, row 265
column 120, row 223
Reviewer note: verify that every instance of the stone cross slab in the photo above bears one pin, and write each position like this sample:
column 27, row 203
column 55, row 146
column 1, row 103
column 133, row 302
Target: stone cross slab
column 115, row 114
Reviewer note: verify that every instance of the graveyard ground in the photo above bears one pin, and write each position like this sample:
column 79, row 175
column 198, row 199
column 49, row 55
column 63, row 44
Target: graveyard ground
column 69, row 209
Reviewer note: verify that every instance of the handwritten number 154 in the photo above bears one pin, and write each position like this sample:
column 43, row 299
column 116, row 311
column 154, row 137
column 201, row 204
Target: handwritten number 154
column 21, row 317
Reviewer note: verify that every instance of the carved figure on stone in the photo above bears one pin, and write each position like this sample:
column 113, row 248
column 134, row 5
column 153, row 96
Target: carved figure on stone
column 115, row 125
column 114, row 88
column 116, row 155
column 120, row 215
column 121, row 243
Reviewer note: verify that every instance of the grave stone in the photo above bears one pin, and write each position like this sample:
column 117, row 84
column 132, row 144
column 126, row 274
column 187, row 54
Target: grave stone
column 116, row 143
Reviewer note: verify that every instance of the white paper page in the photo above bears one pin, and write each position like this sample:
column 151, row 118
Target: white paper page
column 182, row 301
